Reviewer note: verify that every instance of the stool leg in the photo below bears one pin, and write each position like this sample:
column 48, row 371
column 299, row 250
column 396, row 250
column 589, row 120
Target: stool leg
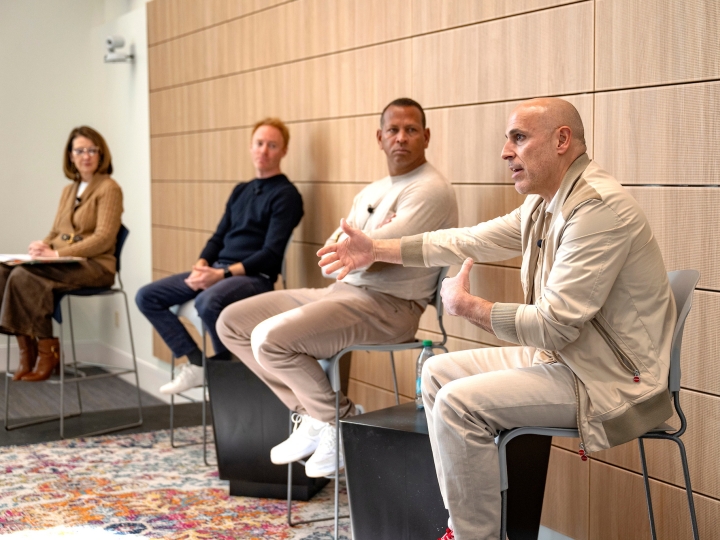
column 172, row 403
column 7, row 383
column 648, row 498
column 204, row 393
column 395, row 384
column 337, row 462
column 72, row 347
column 688, row 488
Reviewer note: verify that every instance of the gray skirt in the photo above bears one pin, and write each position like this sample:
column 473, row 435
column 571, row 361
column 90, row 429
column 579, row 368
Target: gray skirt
column 27, row 293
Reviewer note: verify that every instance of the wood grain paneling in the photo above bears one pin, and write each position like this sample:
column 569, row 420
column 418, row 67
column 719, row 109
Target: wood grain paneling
column 371, row 397
column 216, row 156
column 565, row 506
column 176, row 250
column 171, row 18
column 701, row 344
column 190, row 205
column 450, row 69
column 494, row 283
column 660, row 135
column 312, row 28
column 466, row 142
column 618, row 509
column 324, row 205
column 338, row 150
column 358, row 82
column 647, row 42
column 679, row 220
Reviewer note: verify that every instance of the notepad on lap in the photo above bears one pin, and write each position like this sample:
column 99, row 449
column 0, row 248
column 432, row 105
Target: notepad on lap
column 24, row 258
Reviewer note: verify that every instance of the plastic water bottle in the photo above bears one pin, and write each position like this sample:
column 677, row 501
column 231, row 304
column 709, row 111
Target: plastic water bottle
column 426, row 353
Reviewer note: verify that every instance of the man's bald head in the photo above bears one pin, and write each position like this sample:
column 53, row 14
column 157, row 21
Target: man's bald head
column 555, row 113
column 544, row 137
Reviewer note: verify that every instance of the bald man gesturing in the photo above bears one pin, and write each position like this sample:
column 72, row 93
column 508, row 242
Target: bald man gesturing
column 593, row 333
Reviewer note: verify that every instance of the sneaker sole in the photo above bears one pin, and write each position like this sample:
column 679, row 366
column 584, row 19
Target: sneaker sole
column 298, row 458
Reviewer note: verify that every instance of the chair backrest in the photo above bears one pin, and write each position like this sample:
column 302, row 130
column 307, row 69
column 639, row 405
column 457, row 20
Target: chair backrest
column 682, row 283
column 283, row 268
column 437, row 302
column 119, row 243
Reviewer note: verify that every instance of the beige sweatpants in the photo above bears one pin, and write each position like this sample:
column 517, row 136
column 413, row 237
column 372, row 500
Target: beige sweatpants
column 280, row 335
column 471, row 395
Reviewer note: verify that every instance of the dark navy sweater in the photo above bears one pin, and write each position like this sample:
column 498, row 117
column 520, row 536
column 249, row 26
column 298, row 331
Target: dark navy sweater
column 259, row 218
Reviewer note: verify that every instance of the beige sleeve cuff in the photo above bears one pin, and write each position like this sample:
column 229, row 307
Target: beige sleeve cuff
column 502, row 320
column 411, row 250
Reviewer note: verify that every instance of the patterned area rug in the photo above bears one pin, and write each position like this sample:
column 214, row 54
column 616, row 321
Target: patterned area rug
column 139, row 486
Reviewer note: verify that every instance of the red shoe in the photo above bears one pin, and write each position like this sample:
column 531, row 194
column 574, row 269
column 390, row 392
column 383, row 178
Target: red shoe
column 449, row 535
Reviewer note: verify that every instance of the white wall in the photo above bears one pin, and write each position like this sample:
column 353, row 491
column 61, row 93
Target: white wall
column 53, row 79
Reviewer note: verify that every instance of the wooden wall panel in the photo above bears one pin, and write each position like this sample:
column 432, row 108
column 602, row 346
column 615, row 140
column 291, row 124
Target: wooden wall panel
column 303, row 269
column 701, row 439
column 431, row 15
column 169, row 19
column 565, row 507
column 651, row 136
column 312, row 28
column 466, row 142
column 671, row 45
column 337, row 150
column 701, row 344
column 325, row 205
column 678, row 219
column 216, row 156
column 372, row 397
column 190, row 205
column 176, row 250
column 618, row 509
column 444, row 74
column 363, row 81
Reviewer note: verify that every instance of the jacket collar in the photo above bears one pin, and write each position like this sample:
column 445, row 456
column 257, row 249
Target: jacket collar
column 96, row 180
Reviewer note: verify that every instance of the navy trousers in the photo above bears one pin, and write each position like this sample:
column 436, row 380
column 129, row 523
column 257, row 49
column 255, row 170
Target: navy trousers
column 155, row 299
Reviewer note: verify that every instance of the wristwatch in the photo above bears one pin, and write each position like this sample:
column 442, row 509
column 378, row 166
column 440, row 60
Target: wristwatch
column 226, row 272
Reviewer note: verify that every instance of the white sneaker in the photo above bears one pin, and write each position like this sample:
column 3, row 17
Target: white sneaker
column 301, row 443
column 189, row 377
column 322, row 462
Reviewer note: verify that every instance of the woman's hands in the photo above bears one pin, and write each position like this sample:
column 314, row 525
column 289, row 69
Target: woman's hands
column 41, row 249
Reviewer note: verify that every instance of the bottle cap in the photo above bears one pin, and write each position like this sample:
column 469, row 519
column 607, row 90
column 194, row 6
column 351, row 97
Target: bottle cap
column 427, row 342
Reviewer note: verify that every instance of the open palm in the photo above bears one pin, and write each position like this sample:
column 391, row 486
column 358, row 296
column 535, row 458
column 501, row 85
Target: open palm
column 353, row 252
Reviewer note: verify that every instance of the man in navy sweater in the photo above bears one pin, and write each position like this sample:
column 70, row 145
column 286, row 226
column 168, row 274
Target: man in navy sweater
column 242, row 258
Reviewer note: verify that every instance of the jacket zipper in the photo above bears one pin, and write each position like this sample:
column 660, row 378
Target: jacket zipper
column 581, row 452
column 622, row 358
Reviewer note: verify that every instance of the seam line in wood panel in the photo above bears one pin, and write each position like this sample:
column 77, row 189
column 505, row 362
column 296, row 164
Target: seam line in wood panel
column 439, row 107
column 674, row 185
column 656, row 85
column 659, row 481
column 175, row 228
column 214, row 25
column 391, row 392
column 338, row 51
column 190, row 181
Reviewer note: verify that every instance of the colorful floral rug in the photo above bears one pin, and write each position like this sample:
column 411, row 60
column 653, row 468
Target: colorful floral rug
column 139, row 486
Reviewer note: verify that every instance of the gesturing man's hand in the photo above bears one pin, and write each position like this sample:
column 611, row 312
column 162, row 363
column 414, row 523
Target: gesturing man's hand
column 353, row 252
column 455, row 291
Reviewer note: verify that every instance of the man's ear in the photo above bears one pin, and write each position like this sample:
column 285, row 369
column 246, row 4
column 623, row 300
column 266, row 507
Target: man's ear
column 378, row 134
column 564, row 138
column 427, row 137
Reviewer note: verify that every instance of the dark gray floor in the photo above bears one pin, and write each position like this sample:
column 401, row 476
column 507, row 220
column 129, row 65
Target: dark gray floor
column 106, row 402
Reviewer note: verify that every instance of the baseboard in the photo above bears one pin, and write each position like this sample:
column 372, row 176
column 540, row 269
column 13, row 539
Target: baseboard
column 151, row 376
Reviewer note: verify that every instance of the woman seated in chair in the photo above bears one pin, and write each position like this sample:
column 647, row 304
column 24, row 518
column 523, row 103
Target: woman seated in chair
column 86, row 225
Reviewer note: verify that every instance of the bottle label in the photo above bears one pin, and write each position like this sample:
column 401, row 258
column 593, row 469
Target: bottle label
column 418, row 388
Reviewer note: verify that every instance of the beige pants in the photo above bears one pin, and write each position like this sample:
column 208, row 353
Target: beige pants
column 280, row 335
column 471, row 395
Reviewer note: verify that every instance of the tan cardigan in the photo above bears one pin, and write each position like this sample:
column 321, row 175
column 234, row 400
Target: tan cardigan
column 90, row 228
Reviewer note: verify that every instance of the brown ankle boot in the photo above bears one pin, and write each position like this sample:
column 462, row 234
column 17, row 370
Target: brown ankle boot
column 48, row 360
column 28, row 356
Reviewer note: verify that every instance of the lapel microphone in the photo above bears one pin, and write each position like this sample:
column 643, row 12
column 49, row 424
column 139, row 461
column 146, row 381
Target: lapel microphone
column 370, row 209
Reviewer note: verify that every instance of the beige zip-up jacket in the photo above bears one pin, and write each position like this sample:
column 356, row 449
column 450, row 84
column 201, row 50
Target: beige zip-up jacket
column 596, row 291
